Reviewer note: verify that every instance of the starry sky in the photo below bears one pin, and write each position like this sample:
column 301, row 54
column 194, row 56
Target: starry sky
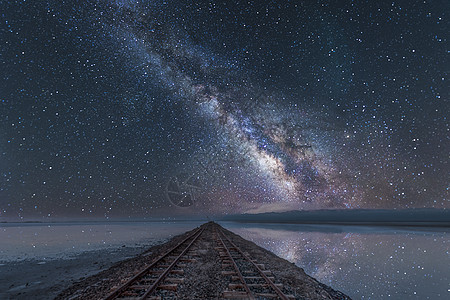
column 169, row 108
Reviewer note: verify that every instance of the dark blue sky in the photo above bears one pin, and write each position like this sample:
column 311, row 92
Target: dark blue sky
column 131, row 109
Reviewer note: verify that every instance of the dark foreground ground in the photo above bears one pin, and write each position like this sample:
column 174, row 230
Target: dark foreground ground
column 203, row 279
column 44, row 279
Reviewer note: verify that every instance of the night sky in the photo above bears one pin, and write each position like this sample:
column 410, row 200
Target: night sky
column 131, row 109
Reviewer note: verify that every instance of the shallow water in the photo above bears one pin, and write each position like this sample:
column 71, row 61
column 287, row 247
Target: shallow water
column 40, row 241
column 363, row 262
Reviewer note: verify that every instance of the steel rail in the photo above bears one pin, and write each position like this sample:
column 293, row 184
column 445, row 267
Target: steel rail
column 268, row 281
column 163, row 275
column 126, row 285
column 236, row 268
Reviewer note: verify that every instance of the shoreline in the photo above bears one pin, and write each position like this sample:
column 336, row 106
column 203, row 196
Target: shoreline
column 443, row 225
column 46, row 278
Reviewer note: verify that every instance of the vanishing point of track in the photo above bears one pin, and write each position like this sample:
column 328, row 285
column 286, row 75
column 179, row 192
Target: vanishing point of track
column 159, row 280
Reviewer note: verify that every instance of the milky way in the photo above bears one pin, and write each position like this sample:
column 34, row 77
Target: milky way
column 260, row 106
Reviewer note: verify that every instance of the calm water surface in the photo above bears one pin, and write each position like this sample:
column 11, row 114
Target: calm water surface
column 20, row 241
column 363, row 262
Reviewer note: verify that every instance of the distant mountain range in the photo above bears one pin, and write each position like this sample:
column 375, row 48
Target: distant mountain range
column 407, row 217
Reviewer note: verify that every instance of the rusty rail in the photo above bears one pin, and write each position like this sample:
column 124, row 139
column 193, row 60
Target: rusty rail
column 151, row 288
column 236, row 268
column 252, row 295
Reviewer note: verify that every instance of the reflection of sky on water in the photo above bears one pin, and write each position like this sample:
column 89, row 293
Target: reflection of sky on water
column 20, row 241
column 363, row 262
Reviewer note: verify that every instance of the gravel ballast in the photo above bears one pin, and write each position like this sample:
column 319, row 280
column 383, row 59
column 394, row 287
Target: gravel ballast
column 203, row 278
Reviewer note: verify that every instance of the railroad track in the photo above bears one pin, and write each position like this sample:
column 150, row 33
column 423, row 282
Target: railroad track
column 160, row 279
column 250, row 280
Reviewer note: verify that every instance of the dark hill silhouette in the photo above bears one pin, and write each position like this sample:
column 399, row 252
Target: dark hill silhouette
column 407, row 217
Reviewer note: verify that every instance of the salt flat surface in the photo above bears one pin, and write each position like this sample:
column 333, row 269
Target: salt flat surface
column 364, row 262
column 42, row 241
column 38, row 261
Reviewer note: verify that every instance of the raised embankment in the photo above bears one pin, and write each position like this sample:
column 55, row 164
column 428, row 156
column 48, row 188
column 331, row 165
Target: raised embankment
column 208, row 262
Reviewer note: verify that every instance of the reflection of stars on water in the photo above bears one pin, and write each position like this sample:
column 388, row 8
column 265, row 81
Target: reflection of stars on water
column 366, row 264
